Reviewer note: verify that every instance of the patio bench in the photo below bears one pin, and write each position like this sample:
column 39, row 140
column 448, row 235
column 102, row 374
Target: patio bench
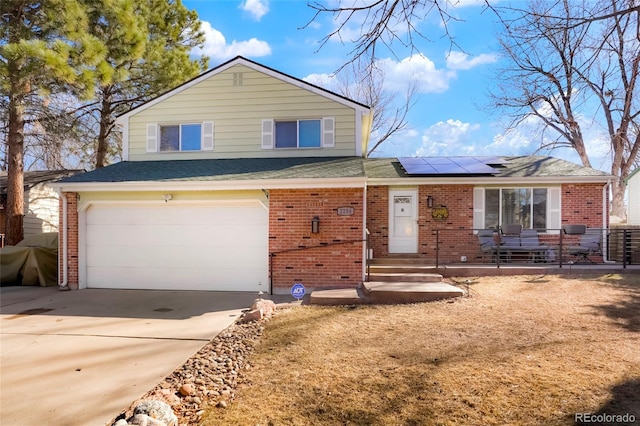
column 525, row 243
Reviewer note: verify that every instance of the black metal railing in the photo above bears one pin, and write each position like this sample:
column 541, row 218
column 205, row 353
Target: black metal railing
column 620, row 246
column 274, row 254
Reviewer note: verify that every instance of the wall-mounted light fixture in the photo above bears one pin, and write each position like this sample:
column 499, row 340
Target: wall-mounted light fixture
column 167, row 197
column 315, row 225
column 429, row 201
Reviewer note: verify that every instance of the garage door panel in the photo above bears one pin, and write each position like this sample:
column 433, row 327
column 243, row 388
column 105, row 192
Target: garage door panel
column 221, row 246
column 183, row 257
column 174, row 278
column 175, row 236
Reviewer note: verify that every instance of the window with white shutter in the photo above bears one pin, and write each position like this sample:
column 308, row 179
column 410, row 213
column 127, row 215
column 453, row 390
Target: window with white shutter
column 152, row 137
column 267, row 134
column 207, row 136
column 328, row 132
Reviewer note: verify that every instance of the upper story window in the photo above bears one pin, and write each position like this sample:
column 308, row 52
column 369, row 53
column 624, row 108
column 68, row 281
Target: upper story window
column 180, row 137
column 183, row 137
column 298, row 134
column 294, row 134
column 533, row 208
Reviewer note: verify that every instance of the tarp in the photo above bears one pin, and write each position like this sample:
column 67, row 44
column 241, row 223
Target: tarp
column 33, row 261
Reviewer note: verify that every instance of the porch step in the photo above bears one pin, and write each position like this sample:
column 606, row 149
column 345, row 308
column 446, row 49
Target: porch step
column 409, row 292
column 404, row 275
column 393, row 280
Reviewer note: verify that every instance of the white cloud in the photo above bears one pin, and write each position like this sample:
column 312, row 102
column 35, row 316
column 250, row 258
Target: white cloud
column 460, row 61
column 452, row 137
column 512, row 142
column 216, row 45
column 256, row 8
column 416, row 68
column 326, row 81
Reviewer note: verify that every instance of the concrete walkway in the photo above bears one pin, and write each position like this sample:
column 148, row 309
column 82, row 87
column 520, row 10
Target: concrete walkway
column 80, row 357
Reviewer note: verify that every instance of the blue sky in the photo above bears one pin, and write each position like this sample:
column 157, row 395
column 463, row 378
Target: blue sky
column 451, row 115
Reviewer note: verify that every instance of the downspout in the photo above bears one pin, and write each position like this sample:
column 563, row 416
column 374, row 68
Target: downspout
column 65, row 261
column 605, row 207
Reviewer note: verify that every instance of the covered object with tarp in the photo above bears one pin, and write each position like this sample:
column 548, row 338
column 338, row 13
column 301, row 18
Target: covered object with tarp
column 33, row 261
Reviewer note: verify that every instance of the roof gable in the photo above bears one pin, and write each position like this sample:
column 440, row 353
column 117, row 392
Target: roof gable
column 239, row 60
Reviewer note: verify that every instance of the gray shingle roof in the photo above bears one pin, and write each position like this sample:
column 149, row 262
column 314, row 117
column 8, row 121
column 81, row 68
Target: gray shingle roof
column 523, row 166
column 225, row 170
column 308, row 168
column 35, row 177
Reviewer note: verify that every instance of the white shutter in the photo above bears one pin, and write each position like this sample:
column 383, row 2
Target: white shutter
column 152, row 137
column 328, row 132
column 554, row 204
column 207, row 136
column 267, row 134
column 478, row 208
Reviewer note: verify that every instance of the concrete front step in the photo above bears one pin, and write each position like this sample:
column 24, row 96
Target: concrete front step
column 409, row 292
column 386, row 293
column 340, row 296
column 404, row 276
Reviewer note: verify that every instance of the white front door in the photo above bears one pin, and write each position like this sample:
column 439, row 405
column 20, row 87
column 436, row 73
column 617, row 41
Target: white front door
column 403, row 221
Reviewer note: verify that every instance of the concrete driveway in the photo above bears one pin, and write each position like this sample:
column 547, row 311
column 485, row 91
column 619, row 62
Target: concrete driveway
column 80, row 357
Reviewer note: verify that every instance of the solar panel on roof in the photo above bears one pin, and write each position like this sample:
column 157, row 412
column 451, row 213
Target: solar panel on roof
column 448, row 165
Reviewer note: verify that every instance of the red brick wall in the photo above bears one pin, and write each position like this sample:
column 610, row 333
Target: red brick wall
column 581, row 203
column 72, row 240
column 325, row 262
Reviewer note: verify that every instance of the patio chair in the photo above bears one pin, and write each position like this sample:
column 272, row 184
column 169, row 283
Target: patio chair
column 488, row 245
column 590, row 244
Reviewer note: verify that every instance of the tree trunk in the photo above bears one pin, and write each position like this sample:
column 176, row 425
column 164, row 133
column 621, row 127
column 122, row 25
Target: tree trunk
column 105, row 124
column 15, row 172
column 618, row 188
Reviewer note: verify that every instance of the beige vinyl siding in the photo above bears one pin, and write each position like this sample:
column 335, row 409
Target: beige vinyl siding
column 237, row 113
column 41, row 210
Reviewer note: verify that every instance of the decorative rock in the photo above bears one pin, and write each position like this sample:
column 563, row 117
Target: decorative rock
column 144, row 420
column 219, row 364
column 121, row 422
column 157, row 410
column 186, row 389
column 253, row 315
column 267, row 306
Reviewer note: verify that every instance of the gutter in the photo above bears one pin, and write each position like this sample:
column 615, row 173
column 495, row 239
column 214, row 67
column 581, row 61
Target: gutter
column 605, row 206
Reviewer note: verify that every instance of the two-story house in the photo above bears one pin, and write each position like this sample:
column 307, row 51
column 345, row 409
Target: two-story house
column 248, row 179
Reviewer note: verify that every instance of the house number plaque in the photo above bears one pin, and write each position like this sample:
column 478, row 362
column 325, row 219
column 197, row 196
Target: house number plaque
column 345, row 211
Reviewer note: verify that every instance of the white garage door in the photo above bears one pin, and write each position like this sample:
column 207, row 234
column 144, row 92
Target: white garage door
column 221, row 246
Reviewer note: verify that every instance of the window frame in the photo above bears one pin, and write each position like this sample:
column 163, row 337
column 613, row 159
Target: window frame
column 180, row 137
column 552, row 209
column 206, row 140
column 297, row 122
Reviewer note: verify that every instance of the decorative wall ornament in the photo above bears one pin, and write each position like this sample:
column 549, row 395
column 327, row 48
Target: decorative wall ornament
column 440, row 213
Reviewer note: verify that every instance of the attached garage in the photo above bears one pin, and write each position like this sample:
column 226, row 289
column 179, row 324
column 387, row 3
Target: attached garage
column 214, row 246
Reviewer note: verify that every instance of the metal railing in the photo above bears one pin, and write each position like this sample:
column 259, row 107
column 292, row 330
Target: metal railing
column 274, row 254
column 619, row 246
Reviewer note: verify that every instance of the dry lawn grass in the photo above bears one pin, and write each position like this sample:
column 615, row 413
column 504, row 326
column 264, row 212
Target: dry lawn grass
column 520, row 350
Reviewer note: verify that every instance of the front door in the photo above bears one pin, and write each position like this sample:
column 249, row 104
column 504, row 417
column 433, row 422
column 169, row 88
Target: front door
column 403, row 221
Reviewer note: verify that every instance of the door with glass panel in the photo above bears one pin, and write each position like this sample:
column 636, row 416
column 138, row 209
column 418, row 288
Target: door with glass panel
column 403, row 221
